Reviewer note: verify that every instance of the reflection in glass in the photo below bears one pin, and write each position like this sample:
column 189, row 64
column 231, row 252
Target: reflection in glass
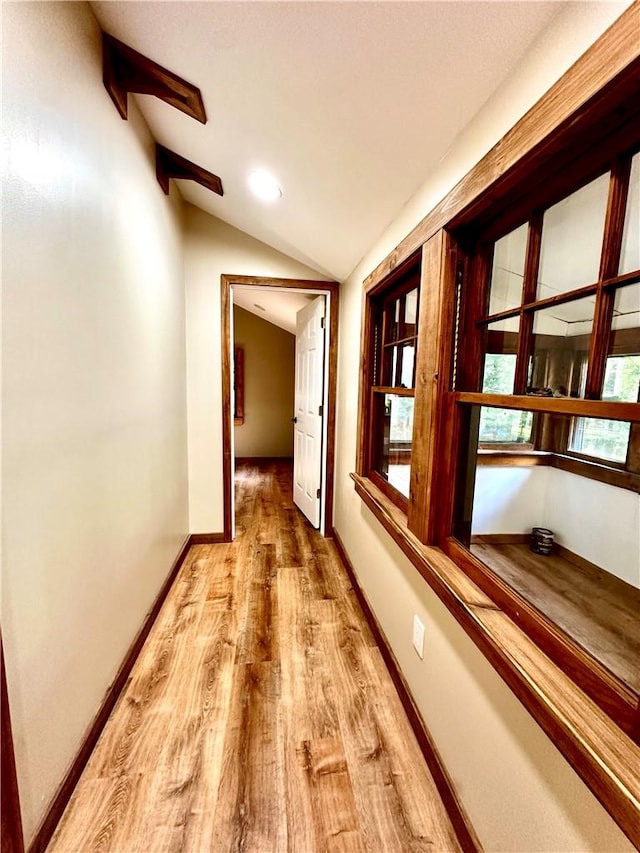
column 630, row 255
column 504, row 426
column 601, row 438
column 404, row 317
column 561, row 338
column 626, row 315
column 572, row 232
column 411, row 307
column 589, row 586
column 500, row 356
column 507, row 272
column 394, row 450
column 622, row 379
column 402, row 365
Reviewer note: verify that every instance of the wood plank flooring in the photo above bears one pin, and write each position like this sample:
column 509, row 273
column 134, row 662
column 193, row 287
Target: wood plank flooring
column 260, row 715
column 596, row 609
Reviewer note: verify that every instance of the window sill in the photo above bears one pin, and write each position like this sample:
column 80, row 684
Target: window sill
column 606, row 759
column 591, row 469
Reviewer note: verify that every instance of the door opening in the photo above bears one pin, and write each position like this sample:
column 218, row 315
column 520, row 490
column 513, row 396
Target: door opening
column 309, row 418
column 313, row 413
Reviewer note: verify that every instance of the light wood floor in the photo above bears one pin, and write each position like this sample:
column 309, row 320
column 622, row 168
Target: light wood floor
column 596, row 609
column 260, row 715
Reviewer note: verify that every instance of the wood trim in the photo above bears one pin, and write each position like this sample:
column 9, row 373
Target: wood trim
column 514, row 458
column 172, row 165
column 502, row 538
column 615, row 697
column 597, row 471
column 327, row 287
column 227, row 467
column 433, row 367
column 206, row 538
column 11, row 820
column 559, row 405
column 529, row 294
column 466, row 834
column 59, row 803
column 582, row 467
column 581, row 90
column 606, row 759
column 125, row 70
column 367, row 344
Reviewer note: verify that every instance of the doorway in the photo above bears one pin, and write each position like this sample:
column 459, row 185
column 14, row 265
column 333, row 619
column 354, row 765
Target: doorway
column 329, row 292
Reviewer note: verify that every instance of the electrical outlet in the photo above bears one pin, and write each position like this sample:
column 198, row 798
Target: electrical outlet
column 418, row 637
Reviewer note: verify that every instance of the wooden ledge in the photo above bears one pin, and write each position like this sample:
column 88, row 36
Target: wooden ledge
column 604, row 757
column 591, row 469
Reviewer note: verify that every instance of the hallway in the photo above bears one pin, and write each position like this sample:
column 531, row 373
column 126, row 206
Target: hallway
column 260, row 715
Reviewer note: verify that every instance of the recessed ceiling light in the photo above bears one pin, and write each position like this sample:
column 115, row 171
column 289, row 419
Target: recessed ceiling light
column 264, row 186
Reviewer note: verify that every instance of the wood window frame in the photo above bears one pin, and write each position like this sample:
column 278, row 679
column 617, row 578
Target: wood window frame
column 378, row 345
column 539, row 663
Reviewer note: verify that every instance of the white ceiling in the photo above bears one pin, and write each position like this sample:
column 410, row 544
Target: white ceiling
column 349, row 104
column 276, row 306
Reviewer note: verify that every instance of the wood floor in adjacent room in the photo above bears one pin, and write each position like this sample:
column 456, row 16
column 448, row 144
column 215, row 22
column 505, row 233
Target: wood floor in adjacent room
column 260, row 715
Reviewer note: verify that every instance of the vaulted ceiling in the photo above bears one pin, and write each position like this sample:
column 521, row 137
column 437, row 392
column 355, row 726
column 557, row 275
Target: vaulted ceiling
column 348, row 104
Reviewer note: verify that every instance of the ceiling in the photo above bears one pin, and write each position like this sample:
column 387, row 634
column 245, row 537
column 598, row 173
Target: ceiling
column 273, row 305
column 348, row 104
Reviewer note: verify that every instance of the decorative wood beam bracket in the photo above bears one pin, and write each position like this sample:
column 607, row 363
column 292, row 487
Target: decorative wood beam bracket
column 125, row 70
column 172, row 165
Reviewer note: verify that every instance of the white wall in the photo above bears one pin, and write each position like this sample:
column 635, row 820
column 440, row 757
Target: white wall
column 520, row 792
column 597, row 521
column 94, row 486
column 269, row 381
column 213, row 248
column 509, row 500
column 513, row 500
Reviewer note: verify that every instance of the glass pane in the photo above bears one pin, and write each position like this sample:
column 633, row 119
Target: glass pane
column 507, row 272
column 630, row 255
column 403, row 317
column 402, row 366
column 601, row 438
column 504, row 426
column 561, row 337
column 622, row 379
column 585, row 574
column 393, row 455
column 572, row 232
column 411, row 308
column 622, row 374
column 626, row 315
column 500, row 357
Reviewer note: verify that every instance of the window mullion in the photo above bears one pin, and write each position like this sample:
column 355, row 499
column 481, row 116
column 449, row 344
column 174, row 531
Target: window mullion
column 609, row 261
column 529, row 293
column 433, row 365
column 474, row 305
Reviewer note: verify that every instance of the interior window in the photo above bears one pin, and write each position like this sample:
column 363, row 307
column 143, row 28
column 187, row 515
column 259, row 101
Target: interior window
column 549, row 353
column 394, row 312
column 588, row 555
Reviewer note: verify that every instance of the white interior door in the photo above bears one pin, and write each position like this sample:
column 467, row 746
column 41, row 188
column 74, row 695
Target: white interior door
column 307, row 448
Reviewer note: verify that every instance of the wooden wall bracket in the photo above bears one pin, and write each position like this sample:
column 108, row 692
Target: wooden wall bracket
column 125, row 70
column 172, row 165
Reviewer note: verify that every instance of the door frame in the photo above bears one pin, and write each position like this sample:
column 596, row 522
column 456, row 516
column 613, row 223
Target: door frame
column 318, row 287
